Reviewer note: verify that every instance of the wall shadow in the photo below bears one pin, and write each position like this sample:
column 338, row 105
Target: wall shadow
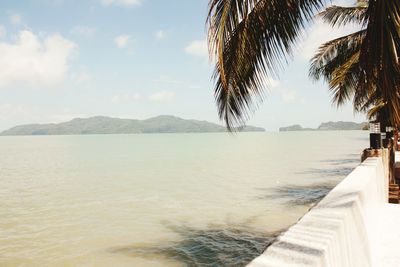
column 336, row 162
column 298, row 195
column 331, row 172
column 214, row 246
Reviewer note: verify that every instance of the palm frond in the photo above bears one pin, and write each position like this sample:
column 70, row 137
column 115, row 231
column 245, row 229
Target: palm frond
column 344, row 80
column 337, row 61
column 251, row 40
column 379, row 58
column 341, row 16
column 380, row 112
column 364, row 100
column 374, row 111
column 333, row 54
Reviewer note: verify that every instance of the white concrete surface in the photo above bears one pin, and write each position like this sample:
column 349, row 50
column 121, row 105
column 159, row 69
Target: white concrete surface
column 352, row 226
column 388, row 254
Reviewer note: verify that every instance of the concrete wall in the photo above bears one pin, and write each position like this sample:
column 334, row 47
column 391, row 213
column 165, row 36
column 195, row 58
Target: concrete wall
column 341, row 230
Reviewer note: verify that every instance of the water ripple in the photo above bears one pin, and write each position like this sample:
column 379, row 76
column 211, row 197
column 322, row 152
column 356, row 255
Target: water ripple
column 215, row 246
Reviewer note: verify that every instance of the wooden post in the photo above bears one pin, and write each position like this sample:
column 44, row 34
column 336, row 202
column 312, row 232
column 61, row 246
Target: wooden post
column 387, row 155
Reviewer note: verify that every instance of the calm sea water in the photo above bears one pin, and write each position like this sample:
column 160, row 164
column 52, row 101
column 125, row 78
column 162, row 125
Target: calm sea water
column 161, row 199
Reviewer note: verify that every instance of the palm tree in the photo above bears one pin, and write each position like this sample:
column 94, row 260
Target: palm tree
column 379, row 57
column 251, row 40
column 338, row 61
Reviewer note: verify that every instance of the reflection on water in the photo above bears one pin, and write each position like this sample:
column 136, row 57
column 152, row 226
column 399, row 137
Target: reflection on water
column 214, row 246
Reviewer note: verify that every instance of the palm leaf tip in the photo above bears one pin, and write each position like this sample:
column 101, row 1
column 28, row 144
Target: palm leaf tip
column 339, row 16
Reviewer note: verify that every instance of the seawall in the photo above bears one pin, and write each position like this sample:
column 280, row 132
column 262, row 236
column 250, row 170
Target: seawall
column 349, row 227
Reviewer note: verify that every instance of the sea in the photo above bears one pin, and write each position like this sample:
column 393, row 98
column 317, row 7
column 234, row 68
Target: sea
column 210, row 199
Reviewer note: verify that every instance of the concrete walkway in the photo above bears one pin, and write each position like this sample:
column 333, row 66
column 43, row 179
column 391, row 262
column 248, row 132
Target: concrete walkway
column 388, row 254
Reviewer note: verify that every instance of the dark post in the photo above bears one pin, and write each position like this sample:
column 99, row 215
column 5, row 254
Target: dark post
column 375, row 139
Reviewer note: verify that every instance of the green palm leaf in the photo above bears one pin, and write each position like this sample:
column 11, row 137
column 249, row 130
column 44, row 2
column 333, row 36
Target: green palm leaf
column 337, row 61
column 251, row 40
column 333, row 54
column 344, row 80
column 341, row 16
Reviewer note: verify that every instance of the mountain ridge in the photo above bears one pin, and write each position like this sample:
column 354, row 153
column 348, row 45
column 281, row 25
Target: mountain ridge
column 328, row 126
column 110, row 125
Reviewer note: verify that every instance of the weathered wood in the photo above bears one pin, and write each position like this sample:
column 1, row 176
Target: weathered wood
column 393, row 193
column 392, row 173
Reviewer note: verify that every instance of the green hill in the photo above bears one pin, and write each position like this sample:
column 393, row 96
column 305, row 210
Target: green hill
column 107, row 125
column 329, row 126
column 343, row 125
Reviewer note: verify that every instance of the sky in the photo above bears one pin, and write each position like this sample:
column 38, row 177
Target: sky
column 137, row 59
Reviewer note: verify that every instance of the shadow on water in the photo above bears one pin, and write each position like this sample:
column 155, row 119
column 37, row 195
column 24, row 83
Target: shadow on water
column 336, row 162
column 298, row 195
column 341, row 167
column 334, row 172
column 215, row 246
column 234, row 246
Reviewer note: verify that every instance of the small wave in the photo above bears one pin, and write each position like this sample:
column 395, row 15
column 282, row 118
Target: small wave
column 299, row 195
column 206, row 247
column 335, row 172
column 340, row 162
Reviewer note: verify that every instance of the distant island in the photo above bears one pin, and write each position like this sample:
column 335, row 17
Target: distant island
column 107, row 125
column 329, row 126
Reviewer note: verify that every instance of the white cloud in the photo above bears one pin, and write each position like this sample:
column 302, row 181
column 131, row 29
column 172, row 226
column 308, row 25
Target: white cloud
column 292, row 97
column 163, row 96
column 130, row 97
column 159, row 35
column 122, row 40
column 126, row 3
column 83, row 30
column 318, row 34
column 15, row 19
column 35, row 61
column 288, row 96
column 197, row 48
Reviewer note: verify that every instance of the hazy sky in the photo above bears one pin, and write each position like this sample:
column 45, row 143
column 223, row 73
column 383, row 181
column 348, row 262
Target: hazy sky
column 135, row 59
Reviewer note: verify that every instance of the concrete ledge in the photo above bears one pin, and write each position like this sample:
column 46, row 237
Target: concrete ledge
column 341, row 230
